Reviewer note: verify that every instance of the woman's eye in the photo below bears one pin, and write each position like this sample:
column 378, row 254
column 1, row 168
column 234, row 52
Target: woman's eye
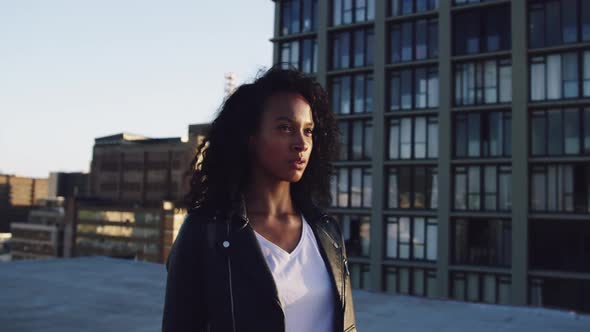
column 284, row 127
column 309, row 131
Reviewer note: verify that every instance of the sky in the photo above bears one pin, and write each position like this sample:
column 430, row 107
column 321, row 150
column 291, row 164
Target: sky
column 74, row 70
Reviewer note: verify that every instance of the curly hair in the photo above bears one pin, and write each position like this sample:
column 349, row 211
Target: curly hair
column 220, row 176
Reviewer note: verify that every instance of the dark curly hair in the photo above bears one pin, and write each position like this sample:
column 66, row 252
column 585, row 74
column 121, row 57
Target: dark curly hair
column 219, row 177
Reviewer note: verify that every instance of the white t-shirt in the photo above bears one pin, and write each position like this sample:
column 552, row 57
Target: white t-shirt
column 303, row 283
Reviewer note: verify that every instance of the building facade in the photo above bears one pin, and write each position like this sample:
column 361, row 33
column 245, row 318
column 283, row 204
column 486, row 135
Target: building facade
column 465, row 163
column 18, row 195
column 135, row 169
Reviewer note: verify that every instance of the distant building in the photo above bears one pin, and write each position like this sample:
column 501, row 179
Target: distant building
column 17, row 196
column 133, row 169
column 131, row 232
column 65, row 185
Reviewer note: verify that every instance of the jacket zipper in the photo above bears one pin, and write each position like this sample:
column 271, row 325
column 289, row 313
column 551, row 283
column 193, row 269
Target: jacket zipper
column 231, row 293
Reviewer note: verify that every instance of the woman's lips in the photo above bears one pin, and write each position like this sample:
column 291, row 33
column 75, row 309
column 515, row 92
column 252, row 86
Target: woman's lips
column 297, row 164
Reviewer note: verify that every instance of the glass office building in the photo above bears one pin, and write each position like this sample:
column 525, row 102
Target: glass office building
column 465, row 163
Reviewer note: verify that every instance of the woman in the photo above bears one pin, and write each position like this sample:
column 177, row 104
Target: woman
column 256, row 251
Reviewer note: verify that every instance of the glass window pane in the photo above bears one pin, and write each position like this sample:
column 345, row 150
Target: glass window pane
column 570, row 75
column 369, row 94
column 405, row 187
column 460, row 188
column 536, row 26
column 396, row 44
column 337, row 12
column 586, row 73
column 345, row 95
column 489, row 288
column 433, row 88
column 343, row 128
column 367, row 188
column 355, row 187
column 506, row 190
column 368, row 148
column 357, row 140
column 394, row 140
column 432, row 238
column 406, row 138
column 421, row 50
column 587, row 135
column 392, row 191
column 460, row 136
column 359, row 48
column 537, row 81
column 433, row 138
column 347, row 11
column 473, row 188
column 420, row 87
column 391, row 245
column 585, row 16
column 418, row 238
column 474, row 135
column 433, row 38
column 553, row 24
column 359, row 93
column 554, row 76
column 538, row 191
column 395, row 92
column 420, row 179
column 404, row 232
column 472, row 287
column 490, row 187
column 490, row 82
column 538, row 133
column 505, row 83
column 420, row 138
column 406, row 88
column 555, row 132
column 570, row 20
column 572, row 131
column 343, row 187
column 495, row 133
column 407, row 45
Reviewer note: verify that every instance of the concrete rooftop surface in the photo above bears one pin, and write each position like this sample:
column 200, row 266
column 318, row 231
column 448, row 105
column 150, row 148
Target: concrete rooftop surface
column 107, row 294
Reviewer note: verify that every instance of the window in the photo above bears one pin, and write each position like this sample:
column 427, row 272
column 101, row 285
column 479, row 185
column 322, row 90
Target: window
column 413, row 89
column 351, row 187
column 413, row 138
column 486, row 188
column 413, row 238
column 349, row 11
column 410, row 280
column 571, row 294
column 558, row 132
column 406, row 7
column 560, row 188
column 356, row 139
column 478, row 31
column 360, row 275
column 555, row 22
column 483, row 82
column 559, row 245
column 485, row 134
column 417, row 40
column 352, row 49
column 412, row 187
column 556, row 76
column 481, row 287
column 352, row 94
column 298, row 16
column 301, row 54
column 482, row 242
column 356, row 230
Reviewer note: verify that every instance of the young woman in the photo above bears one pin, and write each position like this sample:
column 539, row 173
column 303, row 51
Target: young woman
column 256, row 251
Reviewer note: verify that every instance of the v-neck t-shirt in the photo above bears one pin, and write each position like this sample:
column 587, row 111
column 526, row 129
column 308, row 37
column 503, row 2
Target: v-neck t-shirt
column 303, row 283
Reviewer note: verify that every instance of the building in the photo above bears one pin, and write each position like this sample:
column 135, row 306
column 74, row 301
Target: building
column 465, row 168
column 64, row 185
column 96, row 228
column 17, row 195
column 135, row 169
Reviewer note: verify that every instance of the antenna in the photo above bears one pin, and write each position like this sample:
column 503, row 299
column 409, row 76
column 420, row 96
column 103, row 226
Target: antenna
column 230, row 83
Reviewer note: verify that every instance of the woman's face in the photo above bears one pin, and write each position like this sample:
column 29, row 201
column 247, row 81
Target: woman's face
column 282, row 146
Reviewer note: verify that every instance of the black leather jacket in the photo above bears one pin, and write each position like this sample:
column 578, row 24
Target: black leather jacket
column 218, row 279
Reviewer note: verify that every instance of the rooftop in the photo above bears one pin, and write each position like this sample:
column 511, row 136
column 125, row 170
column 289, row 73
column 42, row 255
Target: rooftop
column 107, row 294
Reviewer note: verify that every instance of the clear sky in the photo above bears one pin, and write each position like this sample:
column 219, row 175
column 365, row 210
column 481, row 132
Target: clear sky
column 74, row 70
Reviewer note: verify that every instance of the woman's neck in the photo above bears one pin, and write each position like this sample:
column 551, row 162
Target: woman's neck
column 266, row 199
